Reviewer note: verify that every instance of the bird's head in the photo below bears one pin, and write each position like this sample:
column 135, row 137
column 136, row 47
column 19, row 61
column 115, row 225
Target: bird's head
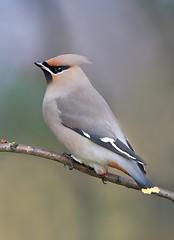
column 61, row 67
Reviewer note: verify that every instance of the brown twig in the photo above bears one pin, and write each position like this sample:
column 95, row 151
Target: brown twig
column 129, row 183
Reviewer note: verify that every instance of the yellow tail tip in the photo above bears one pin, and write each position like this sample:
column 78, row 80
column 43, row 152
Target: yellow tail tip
column 150, row 190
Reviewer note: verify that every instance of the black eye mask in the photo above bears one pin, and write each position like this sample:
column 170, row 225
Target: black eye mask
column 55, row 69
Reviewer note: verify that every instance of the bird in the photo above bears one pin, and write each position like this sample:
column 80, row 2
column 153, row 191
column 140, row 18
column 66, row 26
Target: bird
column 84, row 124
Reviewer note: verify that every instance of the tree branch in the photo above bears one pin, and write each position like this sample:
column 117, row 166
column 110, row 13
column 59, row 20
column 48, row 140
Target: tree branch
column 129, row 183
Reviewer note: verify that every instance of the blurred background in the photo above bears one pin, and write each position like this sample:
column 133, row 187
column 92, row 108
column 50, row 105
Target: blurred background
column 131, row 45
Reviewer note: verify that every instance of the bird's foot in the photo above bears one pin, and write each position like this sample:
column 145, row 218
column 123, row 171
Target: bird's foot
column 71, row 160
column 103, row 173
column 104, row 180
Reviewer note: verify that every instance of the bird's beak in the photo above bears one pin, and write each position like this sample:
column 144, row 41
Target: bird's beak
column 39, row 64
column 46, row 70
column 42, row 66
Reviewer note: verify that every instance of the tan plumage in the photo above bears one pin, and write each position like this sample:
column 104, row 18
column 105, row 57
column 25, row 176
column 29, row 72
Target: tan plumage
column 68, row 59
column 84, row 123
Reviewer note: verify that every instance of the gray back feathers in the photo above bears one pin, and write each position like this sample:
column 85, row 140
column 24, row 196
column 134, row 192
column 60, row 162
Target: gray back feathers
column 85, row 109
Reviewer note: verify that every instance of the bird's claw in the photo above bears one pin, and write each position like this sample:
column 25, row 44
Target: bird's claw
column 104, row 178
column 71, row 160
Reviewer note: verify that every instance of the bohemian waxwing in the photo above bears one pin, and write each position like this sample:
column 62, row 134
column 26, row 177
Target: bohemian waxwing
column 83, row 122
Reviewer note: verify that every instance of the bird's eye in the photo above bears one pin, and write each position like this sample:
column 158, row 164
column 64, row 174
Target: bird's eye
column 59, row 69
column 55, row 70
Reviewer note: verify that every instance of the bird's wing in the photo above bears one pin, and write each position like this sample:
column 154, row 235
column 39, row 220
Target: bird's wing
column 113, row 145
column 85, row 109
column 90, row 116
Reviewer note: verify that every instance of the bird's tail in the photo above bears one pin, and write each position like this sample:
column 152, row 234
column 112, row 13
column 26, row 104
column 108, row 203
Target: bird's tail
column 137, row 172
column 145, row 184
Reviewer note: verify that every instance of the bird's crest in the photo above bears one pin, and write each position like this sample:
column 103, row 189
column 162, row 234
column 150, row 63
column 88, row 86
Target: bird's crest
column 67, row 60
